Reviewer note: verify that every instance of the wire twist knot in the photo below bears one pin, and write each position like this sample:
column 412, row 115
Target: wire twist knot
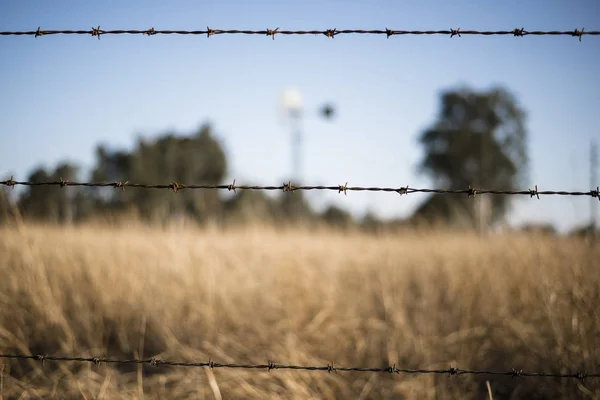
column 331, row 33
column 287, row 187
column 96, row 31
column 594, row 193
column 175, row 186
column 471, row 192
column 272, row 32
column 231, row 187
column 330, row 367
column 579, row 33
column 454, row 32
column 519, row 32
column 209, row 32
column 155, row 362
column 403, row 190
column 388, row 32
column 534, row 192
column 453, row 371
column 38, row 32
column 63, row 183
column 343, row 188
column 121, row 185
column 11, row 182
column 41, row 358
column 150, row 32
column 271, row 365
column 516, row 372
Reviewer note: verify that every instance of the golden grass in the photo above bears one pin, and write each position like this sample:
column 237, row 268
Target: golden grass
column 297, row 297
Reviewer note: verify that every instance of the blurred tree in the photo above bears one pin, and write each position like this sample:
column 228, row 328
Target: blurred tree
column 248, row 206
column 195, row 159
column 371, row 223
column 337, row 217
column 6, row 206
column 479, row 139
column 50, row 203
column 294, row 207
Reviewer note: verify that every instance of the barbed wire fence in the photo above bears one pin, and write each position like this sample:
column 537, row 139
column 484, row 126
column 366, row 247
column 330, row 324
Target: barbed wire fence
column 330, row 367
column 289, row 187
column 330, row 33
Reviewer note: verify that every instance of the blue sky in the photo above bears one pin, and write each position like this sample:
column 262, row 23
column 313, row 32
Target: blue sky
column 62, row 95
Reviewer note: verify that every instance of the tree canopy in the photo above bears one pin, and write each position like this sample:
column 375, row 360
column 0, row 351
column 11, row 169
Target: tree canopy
column 479, row 139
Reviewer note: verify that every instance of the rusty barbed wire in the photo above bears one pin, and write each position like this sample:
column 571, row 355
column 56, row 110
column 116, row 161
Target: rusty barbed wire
column 330, row 33
column 289, row 187
column 330, row 367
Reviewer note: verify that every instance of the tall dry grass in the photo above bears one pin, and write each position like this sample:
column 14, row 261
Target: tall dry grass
column 301, row 297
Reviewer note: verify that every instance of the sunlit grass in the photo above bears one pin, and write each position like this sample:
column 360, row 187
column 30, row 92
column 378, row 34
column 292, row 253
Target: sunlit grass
column 298, row 297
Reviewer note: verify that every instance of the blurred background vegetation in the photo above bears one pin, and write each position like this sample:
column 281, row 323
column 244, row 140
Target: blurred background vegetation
column 477, row 139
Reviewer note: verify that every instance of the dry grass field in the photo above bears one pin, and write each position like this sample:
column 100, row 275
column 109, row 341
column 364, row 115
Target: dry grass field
column 431, row 300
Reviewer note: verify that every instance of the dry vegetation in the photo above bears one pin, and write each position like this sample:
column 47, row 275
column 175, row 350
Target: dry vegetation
column 298, row 297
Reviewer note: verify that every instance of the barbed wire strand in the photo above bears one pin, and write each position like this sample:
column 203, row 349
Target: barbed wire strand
column 330, row 33
column 330, row 367
column 289, row 187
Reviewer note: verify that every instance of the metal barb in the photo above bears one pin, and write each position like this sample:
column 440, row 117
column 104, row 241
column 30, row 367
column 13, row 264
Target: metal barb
column 41, row 358
column 272, row 32
column 232, row 187
column 155, row 362
column 519, row 32
column 287, row 187
column 471, row 192
column 121, row 185
column 10, row 183
column 96, row 32
column 330, row 367
column 534, row 192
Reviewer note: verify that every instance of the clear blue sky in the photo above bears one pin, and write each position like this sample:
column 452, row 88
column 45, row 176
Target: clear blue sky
column 62, row 95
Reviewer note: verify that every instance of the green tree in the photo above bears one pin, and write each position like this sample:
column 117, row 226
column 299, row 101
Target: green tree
column 337, row 217
column 6, row 206
column 196, row 159
column 50, row 203
column 479, row 139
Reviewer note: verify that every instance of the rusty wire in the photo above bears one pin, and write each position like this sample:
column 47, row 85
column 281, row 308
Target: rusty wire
column 330, row 33
column 289, row 187
column 330, row 367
